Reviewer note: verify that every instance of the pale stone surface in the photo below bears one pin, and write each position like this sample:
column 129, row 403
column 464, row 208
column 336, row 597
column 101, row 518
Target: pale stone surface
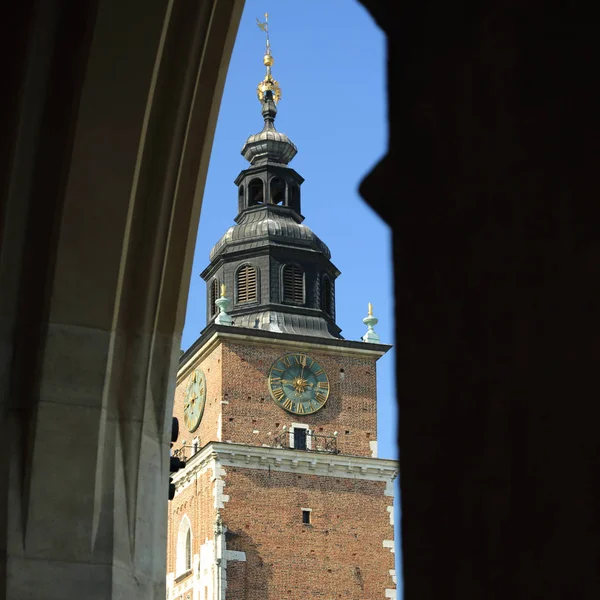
column 74, row 365
column 109, row 180
column 32, row 579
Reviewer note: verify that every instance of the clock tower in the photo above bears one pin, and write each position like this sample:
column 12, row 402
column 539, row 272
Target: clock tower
column 283, row 496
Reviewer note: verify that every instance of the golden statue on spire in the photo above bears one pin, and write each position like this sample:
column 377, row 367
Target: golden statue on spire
column 268, row 83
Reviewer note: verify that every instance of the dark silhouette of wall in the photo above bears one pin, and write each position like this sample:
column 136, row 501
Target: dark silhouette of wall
column 490, row 187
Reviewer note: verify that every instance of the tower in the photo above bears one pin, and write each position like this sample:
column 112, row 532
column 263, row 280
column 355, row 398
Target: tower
column 282, row 496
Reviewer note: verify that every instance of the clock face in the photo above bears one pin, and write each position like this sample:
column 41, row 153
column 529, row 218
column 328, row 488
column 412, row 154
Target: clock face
column 195, row 398
column 298, row 384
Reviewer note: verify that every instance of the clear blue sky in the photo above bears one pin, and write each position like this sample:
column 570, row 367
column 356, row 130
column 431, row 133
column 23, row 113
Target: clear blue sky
column 330, row 63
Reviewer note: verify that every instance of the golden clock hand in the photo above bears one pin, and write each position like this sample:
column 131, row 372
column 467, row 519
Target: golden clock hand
column 303, row 363
column 293, row 382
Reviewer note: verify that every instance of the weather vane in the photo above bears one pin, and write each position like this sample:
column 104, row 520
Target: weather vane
column 265, row 27
column 268, row 84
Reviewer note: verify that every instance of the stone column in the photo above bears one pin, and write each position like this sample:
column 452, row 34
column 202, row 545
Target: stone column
column 112, row 107
column 491, row 189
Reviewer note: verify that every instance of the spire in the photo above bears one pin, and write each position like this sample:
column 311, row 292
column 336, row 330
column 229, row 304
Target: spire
column 278, row 272
column 269, row 144
column 268, row 84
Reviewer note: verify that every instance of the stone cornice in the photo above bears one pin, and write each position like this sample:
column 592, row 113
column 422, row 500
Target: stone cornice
column 287, row 460
column 215, row 334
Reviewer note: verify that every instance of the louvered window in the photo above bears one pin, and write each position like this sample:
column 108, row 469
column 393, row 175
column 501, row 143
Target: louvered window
column 327, row 296
column 293, row 284
column 214, row 291
column 246, row 284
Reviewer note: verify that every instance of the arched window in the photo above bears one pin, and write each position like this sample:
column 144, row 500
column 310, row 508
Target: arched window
column 256, row 192
column 327, row 296
column 293, row 284
column 277, row 191
column 214, row 294
column 188, row 550
column 183, row 559
column 246, row 284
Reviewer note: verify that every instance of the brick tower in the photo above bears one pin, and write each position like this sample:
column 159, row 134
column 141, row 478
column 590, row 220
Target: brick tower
column 282, row 496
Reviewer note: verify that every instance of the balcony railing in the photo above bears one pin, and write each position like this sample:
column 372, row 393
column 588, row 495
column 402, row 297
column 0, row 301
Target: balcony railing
column 310, row 442
column 186, row 452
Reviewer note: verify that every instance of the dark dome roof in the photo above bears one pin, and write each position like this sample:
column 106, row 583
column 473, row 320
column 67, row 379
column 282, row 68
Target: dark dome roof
column 269, row 144
column 265, row 225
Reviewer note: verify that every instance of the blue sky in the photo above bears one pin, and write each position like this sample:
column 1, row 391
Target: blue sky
column 330, row 64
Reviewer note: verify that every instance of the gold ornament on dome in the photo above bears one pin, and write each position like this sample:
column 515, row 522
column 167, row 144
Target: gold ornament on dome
column 266, row 85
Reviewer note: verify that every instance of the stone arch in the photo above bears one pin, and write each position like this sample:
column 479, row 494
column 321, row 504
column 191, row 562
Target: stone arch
column 133, row 235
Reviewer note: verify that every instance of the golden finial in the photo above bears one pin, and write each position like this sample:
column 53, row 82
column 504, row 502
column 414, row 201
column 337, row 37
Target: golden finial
column 223, row 290
column 370, row 321
column 268, row 83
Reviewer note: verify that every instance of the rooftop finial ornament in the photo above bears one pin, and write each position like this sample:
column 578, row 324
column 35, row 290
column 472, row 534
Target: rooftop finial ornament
column 269, row 145
column 223, row 303
column 370, row 321
column 268, row 84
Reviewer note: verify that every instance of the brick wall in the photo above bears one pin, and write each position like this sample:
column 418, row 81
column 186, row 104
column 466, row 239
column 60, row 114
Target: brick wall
column 196, row 501
column 350, row 409
column 339, row 555
column 208, row 429
column 237, row 580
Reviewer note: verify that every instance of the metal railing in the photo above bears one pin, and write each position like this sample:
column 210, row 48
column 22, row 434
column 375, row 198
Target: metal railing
column 311, row 442
column 186, row 452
